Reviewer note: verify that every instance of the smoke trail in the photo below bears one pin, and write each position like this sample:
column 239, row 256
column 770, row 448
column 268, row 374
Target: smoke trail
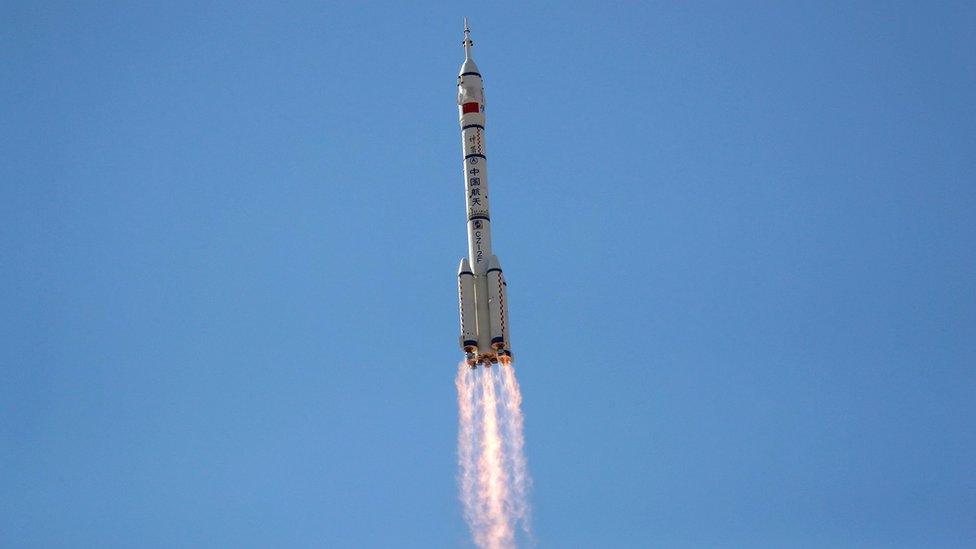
column 492, row 472
column 521, row 482
column 466, row 442
column 493, row 482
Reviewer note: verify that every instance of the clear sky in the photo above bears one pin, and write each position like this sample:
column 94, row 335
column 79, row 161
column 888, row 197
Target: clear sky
column 739, row 240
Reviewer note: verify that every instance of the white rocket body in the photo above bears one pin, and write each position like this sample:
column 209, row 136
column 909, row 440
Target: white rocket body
column 481, row 284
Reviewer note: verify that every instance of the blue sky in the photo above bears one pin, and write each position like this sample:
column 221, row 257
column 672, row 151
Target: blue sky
column 739, row 243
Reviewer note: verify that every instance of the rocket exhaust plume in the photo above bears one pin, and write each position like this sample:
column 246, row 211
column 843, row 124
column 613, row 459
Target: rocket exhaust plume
column 492, row 473
column 518, row 467
column 467, row 466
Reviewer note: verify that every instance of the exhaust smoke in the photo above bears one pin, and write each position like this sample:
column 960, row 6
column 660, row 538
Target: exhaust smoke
column 493, row 476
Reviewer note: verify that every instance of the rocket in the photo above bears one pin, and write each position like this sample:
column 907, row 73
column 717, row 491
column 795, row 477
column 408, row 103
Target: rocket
column 481, row 284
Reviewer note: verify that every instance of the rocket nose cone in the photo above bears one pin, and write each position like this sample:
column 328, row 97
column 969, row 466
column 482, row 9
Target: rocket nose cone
column 469, row 66
column 464, row 267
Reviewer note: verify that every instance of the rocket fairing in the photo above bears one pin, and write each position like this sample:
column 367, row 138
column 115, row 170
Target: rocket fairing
column 481, row 284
